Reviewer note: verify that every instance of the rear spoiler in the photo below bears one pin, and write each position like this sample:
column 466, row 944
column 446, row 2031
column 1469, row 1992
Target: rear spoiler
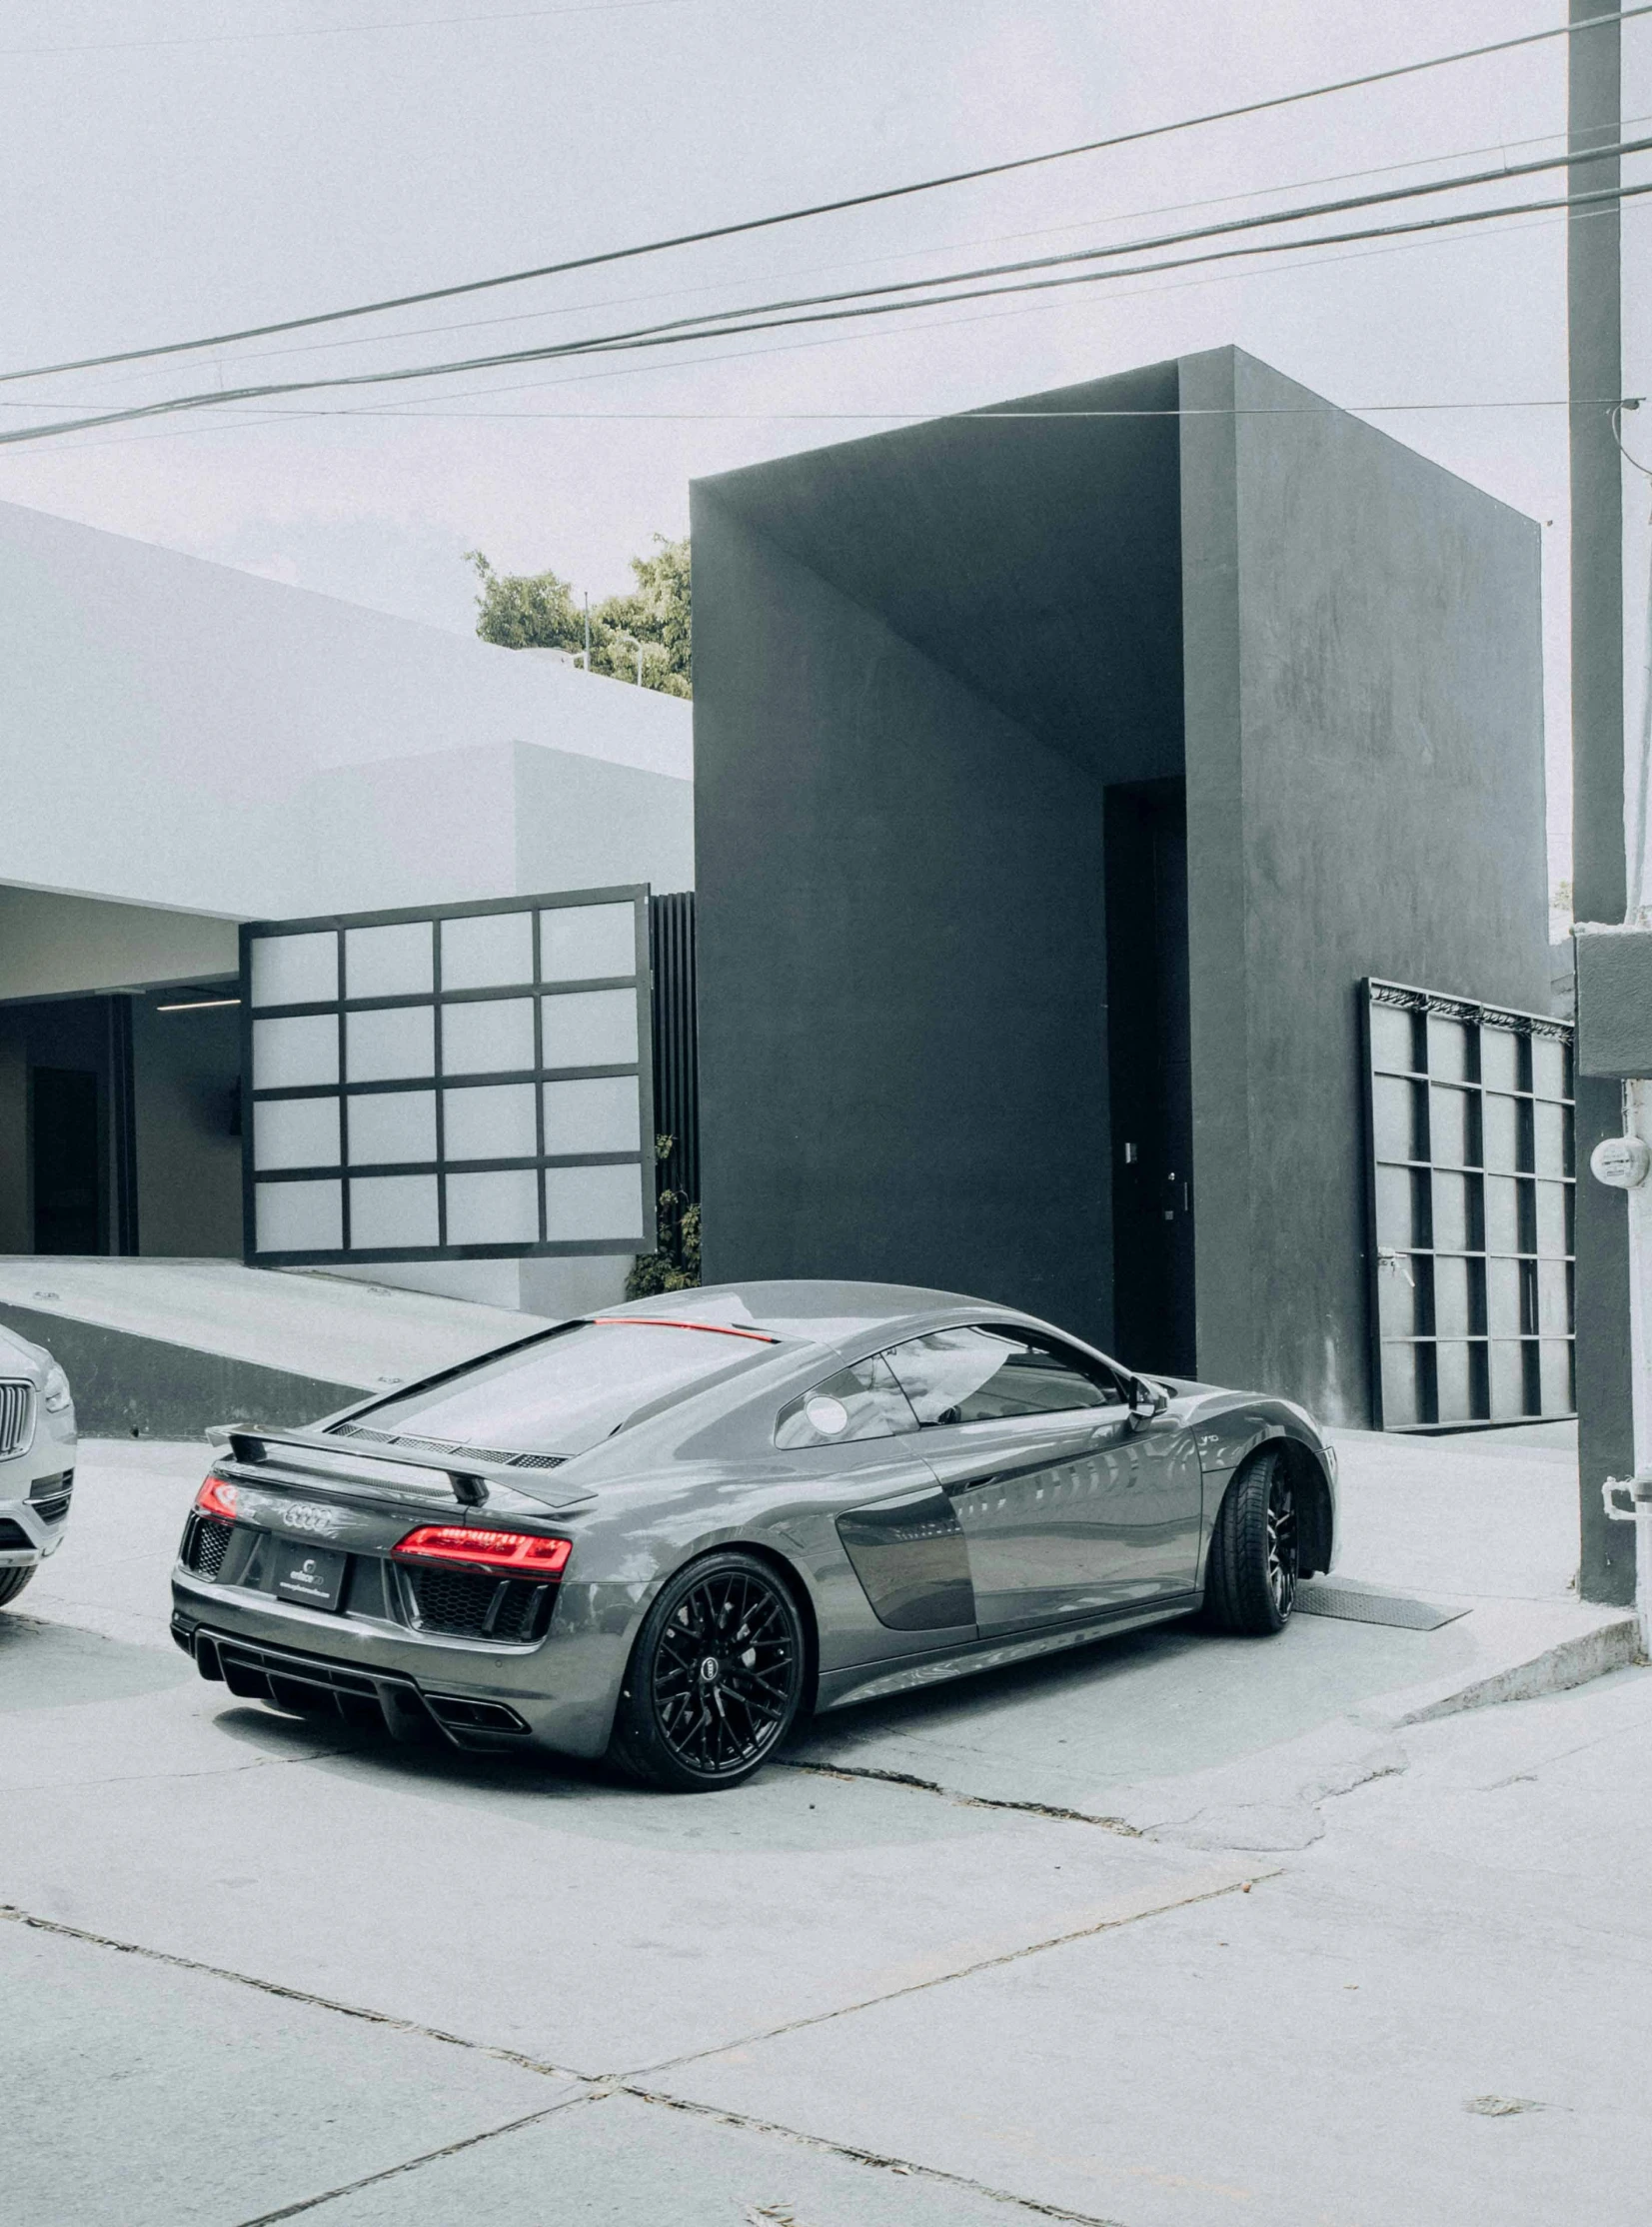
column 470, row 1482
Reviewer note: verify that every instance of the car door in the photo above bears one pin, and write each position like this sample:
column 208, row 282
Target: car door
column 1067, row 1505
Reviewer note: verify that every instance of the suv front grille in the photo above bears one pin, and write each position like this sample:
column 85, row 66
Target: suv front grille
column 471, row 1604
column 16, row 1416
column 208, row 1544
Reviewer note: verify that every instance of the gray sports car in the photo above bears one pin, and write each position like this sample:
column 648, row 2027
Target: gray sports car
column 664, row 1532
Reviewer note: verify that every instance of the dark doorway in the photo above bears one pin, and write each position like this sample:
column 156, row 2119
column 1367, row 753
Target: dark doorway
column 66, row 1161
column 1151, row 1075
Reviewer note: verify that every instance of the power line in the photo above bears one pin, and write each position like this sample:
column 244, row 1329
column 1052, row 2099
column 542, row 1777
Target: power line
column 826, row 208
column 769, row 318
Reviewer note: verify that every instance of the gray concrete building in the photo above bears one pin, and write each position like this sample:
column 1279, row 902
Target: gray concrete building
column 1062, row 772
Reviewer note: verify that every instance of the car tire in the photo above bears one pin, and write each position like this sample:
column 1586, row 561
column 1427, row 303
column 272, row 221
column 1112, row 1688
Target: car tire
column 13, row 1580
column 1250, row 1574
column 716, row 1678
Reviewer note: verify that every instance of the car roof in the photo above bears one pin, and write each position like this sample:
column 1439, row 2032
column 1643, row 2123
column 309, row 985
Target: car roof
column 817, row 1311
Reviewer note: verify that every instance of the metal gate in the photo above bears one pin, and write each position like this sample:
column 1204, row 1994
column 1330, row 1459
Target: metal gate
column 1470, row 1193
column 463, row 1082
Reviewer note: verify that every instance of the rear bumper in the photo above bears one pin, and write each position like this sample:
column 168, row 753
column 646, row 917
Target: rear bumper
column 559, row 1694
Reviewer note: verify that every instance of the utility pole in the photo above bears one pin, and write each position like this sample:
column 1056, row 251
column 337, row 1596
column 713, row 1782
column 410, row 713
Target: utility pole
column 1605, row 1372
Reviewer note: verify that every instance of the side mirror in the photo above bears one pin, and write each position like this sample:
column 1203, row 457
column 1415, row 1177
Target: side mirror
column 1146, row 1400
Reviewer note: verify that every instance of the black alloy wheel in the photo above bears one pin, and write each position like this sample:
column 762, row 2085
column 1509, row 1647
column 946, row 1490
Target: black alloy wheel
column 716, row 1678
column 1250, row 1576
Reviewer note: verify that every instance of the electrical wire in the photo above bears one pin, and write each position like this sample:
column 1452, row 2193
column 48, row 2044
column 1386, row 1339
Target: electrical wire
column 760, row 318
column 828, row 208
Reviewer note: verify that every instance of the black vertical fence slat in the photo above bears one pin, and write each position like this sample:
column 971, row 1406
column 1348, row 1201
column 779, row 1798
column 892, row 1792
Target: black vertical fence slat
column 676, row 1043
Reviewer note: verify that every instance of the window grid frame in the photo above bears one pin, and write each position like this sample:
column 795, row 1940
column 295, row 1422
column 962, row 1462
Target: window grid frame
column 343, row 1089
column 1411, row 1358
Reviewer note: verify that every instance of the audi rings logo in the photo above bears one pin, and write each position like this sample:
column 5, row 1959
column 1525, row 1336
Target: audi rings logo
column 303, row 1518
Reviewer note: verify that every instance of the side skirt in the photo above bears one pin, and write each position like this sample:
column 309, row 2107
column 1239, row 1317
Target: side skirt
column 873, row 1681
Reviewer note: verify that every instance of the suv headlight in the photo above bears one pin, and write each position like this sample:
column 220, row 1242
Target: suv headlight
column 55, row 1395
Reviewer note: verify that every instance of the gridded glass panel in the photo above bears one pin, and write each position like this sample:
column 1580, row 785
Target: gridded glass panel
column 586, row 1202
column 1554, row 1304
column 1457, row 1220
column 1455, row 1394
column 1392, row 1038
column 1396, row 1118
column 1501, row 1132
column 494, row 1122
column 1551, row 1138
column 392, row 1211
column 381, row 1046
column 1500, row 1059
column 1451, row 1298
column 1448, row 1127
column 1402, row 1207
column 1502, row 1216
column 299, row 1217
column 390, row 1126
column 597, row 1113
column 500, row 1208
column 388, row 962
column 1506, row 1376
column 1401, row 1403
column 582, row 942
column 590, row 1029
column 488, row 1036
column 1555, row 1376
column 1551, row 1068
column 296, row 1133
column 1503, row 1312
column 294, row 969
column 290, row 1053
column 487, row 951
column 1399, row 1295
column 1553, row 1233
column 1448, row 1049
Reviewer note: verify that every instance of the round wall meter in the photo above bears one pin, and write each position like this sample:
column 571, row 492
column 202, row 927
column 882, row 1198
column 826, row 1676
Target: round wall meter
column 1620, row 1162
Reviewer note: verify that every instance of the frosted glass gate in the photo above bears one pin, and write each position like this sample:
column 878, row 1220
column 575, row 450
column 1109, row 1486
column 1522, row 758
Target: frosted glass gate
column 1470, row 1193
column 465, row 1081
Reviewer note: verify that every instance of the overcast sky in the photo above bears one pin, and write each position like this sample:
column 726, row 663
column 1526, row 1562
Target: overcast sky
column 178, row 176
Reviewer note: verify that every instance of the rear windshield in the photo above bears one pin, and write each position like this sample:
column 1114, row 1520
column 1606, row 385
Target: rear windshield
column 566, row 1394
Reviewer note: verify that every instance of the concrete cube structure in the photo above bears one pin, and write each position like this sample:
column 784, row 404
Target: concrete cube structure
column 1060, row 771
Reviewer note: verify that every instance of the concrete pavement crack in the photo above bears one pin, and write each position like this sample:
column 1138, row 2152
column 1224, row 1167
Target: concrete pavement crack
column 965, row 1971
column 875, row 2158
column 413, row 2164
column 962, row 1800
column 10, row 1912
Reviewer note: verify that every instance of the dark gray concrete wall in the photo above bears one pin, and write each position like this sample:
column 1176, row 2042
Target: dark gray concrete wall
column 186, row 1070
column 1366, row 796
column 901, row 962
column 141, row 1388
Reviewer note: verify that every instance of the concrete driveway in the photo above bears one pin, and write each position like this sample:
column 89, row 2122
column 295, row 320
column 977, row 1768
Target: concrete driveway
column 1169, row 1933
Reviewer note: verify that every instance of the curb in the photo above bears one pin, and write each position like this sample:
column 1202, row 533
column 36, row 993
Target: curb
column 1612, row 1645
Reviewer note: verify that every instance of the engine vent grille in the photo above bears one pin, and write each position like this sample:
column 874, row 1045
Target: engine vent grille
column 471, row 1604
column 501, row 1455
column 209, row 1543
column 16, row 1416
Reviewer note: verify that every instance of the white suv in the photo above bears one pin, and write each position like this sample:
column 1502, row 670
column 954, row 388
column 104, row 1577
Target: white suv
column 37, row 1459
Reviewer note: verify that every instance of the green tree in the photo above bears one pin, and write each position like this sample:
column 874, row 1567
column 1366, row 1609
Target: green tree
column 644, row 635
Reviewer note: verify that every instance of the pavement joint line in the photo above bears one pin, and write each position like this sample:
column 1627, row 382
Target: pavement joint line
column 10, row 1912
column 413, row 2164
column 876, row 2158
column 953, row 1794
column 1172, row 1901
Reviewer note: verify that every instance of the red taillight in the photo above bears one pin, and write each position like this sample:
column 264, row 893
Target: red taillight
column 217, row 1497
column 521, row 1552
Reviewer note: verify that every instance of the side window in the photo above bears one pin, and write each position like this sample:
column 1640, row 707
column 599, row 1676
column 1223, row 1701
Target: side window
column 983, row 1375
column 860, row 1403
